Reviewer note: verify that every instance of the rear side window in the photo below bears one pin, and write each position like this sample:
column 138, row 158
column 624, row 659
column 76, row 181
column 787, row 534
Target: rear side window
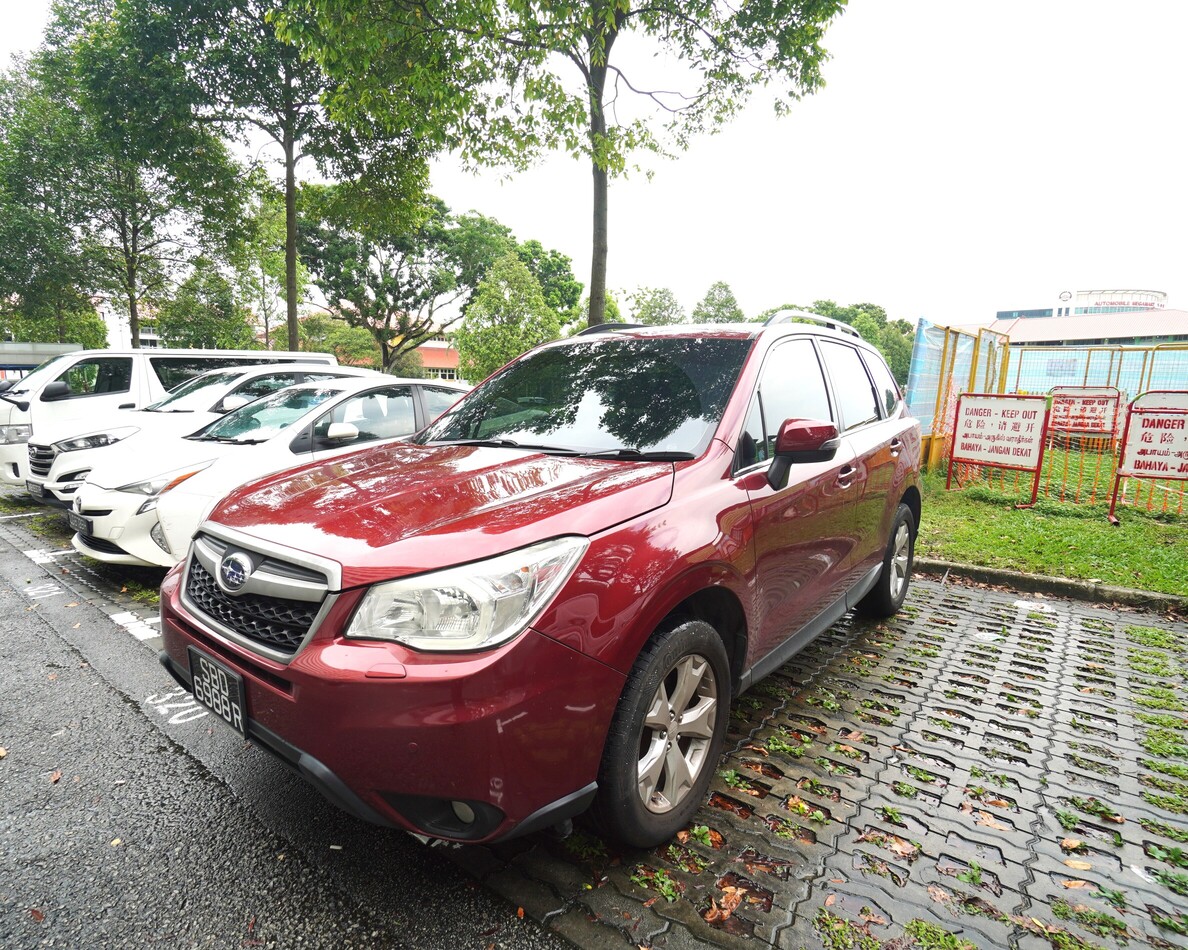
column 792, row 387
column 263, row 385
column 437, row 400
column 855, row 395
column 174, row 370
column 98, row 375
column 885, row 386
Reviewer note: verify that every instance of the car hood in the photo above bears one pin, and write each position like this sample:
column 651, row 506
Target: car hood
column 142, row 457
column 404, row 509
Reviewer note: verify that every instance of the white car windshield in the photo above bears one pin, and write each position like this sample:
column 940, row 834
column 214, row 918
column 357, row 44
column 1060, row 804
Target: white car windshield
column 265, row 418
column 191, row 396
column 34, row 378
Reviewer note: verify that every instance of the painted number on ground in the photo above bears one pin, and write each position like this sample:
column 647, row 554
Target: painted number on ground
column 177, row 706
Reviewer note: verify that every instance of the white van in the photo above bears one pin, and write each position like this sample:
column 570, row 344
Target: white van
column 88, row 386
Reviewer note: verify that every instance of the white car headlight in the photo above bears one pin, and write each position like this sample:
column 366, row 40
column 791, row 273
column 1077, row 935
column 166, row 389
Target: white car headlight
column 95, row 440
column 160, row 484
column 10, row 435
column 472, row 607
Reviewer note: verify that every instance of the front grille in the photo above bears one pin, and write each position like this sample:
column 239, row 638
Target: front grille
column 100, row 544
column 41, row 458
column 274, row 622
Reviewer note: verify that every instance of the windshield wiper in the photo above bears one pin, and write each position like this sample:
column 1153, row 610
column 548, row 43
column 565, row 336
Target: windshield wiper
column 507, row 444
column 223, row 438
column 635, row 455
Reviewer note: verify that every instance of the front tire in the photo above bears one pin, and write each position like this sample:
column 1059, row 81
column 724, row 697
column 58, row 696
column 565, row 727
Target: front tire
column 666, row 736
column 888, row 594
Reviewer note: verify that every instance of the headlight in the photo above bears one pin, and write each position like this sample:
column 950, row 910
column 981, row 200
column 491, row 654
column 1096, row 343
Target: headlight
column 95, row 440
column 9, row 435
column 163, row 483
column 472, row 607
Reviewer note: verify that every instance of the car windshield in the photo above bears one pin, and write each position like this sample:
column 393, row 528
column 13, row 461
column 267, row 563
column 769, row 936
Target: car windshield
column 35, row 377
column 264, row 418
column 623, row 397
column 191, row 395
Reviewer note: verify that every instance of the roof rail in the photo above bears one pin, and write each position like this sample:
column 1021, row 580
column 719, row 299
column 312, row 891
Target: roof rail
column 610, row 328
column 789, row 315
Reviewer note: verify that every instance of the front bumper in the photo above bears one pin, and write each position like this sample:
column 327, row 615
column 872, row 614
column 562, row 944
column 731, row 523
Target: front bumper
column 119, row 535
column 14, row 463
column 514, row 735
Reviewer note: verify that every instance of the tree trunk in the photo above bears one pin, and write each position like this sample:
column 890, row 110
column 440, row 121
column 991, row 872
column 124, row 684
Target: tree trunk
column 598, row 244
column 291, row 238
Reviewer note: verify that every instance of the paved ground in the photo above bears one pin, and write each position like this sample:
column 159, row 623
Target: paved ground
column 1010, row 771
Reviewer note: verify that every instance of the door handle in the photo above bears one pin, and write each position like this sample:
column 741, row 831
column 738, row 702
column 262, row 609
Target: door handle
column 127, row 405
column 896, row 446
column 844, row 475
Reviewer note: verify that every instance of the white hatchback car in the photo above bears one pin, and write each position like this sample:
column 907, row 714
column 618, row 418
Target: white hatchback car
column 59, row 460
column 142, row 503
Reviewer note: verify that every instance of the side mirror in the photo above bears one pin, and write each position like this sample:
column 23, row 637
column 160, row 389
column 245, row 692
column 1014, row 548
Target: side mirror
column 56, row 390
column 799, row 441
column 234, row 401
column 341, row 432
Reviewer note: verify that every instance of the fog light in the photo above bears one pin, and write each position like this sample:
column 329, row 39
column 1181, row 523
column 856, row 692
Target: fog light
column 464, row 812
column 158, row 536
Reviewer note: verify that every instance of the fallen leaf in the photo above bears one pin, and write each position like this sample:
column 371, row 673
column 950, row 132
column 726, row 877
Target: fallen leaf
column 3, row 752
column 1078, row 865
column 115, row 842
column 75, row 604
column 36, row 914
column 830, row 900
column 651, row 900
column 967, row 807
column 1071, row 844
column 1072, row 884
column 873, row 918
column 986, row 819
column 56, row 776
column 520, row 912
column 854, row 736
column 75, row 626
column 938, row 894
column 252, row 924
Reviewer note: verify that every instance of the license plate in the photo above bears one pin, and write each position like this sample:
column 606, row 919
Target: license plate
column 79, row 523
column 34, row 488
column 219, row 689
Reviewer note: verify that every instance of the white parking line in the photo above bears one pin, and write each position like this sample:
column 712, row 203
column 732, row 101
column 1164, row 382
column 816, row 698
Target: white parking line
column 28, row 514
column 140, row 628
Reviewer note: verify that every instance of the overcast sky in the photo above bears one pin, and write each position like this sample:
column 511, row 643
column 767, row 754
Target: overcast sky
column 963, row 158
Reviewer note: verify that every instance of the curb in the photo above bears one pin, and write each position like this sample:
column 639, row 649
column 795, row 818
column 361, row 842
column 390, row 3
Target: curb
column 1056, row 586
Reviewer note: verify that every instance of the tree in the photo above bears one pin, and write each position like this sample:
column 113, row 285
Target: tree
column 45, row 276
column 353, row 346
column 260, row 262
column 242, row 76
column 204, row 314
column 718, row 306
column 401, row 285
column 725, row 50
column 554, row 272
column 656, row 306
column 507, row 317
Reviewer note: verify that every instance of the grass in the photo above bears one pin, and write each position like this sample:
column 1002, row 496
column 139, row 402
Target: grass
column 982, row 527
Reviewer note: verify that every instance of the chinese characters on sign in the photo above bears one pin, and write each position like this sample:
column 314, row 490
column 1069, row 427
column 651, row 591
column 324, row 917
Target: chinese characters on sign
column 1000, row 432
column 1084, row 409
column 1155, row 443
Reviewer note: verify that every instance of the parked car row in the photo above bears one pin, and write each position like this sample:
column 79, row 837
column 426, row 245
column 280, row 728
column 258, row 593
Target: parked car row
column 137, row 486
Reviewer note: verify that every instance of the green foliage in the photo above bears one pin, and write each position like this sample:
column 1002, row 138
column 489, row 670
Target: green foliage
column 204, row 314
column 260, row 262
column 497, row 78
column 554, row 272
column 389, row 279
column 718, row 306
column 656, row 306
column 353, row 346
column 507, row 317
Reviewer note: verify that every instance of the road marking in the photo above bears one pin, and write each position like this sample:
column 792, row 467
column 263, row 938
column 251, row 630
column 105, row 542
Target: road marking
column 29, row 514
column 38, row 556
column 141, row 629
column 42, row 591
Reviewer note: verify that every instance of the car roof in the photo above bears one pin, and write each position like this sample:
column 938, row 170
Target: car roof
column 374, row 380
column 813, row 324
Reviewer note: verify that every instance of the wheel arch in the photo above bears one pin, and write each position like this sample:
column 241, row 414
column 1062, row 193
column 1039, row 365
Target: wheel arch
column 911, row 498
column 721, row 608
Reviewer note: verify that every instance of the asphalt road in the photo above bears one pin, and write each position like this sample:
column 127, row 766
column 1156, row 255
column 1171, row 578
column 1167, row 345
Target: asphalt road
column 129, row 819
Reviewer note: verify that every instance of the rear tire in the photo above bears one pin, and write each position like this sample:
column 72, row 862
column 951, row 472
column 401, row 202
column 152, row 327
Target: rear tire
column 886, row 597
column 666, row 736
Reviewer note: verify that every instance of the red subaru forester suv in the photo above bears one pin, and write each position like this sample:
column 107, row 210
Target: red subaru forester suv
column 544, row 602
